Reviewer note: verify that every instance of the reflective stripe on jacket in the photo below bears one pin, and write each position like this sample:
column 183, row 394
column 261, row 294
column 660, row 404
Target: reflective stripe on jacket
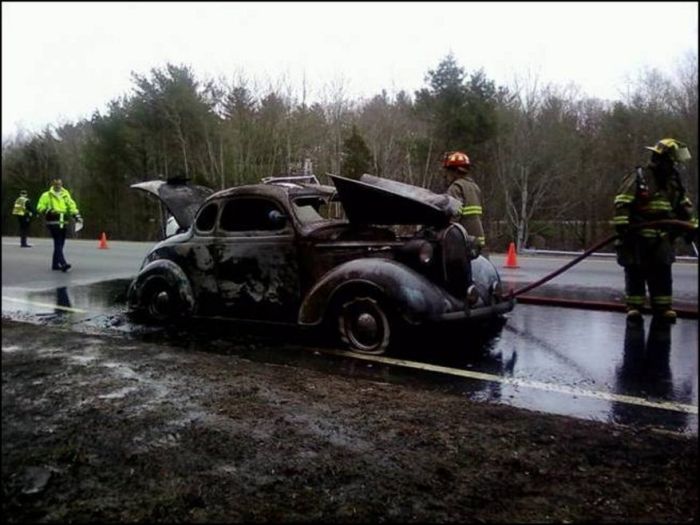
column 644, row 196
column 57, row 208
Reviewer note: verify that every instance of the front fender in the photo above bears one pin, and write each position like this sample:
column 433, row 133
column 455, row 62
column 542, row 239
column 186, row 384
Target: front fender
column 413, row 296
column 484, row 276
column 172, row 274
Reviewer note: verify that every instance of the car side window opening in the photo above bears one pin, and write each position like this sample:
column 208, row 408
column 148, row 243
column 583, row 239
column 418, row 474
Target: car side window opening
column 207, row 217
column 317, row 209
column 310, row 209
column 249, row 214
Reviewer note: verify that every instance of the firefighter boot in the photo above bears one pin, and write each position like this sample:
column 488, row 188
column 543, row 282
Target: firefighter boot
column 668, row 315
column 634, row 315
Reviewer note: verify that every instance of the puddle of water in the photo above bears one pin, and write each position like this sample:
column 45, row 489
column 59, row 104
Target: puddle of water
column 74, row 301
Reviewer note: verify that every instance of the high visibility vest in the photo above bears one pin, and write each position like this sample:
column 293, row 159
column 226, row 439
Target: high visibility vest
column 20, row 207
column 57, row 207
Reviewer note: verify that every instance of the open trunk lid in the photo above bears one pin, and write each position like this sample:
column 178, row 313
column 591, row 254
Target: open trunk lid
column 180, row 198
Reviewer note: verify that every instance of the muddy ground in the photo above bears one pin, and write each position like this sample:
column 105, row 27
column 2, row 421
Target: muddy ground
column 105, row 428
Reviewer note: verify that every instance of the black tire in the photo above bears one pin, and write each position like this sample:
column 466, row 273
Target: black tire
column 160, row 302
column 365, row 325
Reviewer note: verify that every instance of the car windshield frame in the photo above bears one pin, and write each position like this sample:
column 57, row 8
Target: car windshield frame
column 307, row 214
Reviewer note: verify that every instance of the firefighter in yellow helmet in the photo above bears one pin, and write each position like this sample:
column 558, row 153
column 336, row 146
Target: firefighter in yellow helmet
column 651, row 193
column 462, row 187
column 24, row 211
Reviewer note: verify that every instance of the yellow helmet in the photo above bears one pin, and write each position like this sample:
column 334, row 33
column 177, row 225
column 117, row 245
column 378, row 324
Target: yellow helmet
column 675, row 149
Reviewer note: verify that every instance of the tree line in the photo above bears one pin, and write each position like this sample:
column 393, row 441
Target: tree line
column 548, row 159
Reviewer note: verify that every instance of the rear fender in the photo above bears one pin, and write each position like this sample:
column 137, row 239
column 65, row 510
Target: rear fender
column 172, row 274
column 412, row 295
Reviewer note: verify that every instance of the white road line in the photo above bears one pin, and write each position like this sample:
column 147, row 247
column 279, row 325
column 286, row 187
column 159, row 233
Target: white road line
column 45, row 305
column 550, row 387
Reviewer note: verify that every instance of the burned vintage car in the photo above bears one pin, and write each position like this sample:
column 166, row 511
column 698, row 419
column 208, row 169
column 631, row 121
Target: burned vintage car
column 270, row 252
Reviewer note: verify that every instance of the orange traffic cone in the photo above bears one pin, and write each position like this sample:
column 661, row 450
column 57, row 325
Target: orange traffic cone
column 103, row 242
column 511, row 259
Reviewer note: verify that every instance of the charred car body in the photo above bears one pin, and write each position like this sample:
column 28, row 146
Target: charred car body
column 266, row 252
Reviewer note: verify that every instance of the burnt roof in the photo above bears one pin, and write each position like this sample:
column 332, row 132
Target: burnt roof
column 279, row 190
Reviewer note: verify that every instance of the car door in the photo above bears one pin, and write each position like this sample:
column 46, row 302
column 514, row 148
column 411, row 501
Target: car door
column 257, row 267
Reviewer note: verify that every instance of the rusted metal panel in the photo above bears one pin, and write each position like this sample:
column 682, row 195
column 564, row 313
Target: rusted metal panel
column 258, row 280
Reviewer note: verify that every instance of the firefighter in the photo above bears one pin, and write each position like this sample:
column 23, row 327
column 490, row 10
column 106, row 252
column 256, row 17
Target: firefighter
column 24, row 211
column 652, row 193
column 462, row 187
column 58, row 207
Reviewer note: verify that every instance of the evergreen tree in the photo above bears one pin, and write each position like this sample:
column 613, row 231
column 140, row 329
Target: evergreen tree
column 356, row 155
column 461, row 111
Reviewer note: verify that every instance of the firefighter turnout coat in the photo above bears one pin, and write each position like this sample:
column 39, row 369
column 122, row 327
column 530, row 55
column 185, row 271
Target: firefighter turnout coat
column 645, row 196
column 468, row 193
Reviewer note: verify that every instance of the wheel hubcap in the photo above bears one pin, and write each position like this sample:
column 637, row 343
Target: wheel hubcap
column 161, row 302
column 366, row 328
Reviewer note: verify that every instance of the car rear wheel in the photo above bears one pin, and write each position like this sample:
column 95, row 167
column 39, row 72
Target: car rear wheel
column 160, row 301
column 364, row 325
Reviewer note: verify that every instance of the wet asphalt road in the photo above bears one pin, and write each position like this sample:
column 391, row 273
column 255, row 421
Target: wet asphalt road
column 588, row 364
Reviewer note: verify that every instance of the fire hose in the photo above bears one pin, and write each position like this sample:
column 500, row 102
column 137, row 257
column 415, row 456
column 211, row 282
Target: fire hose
column 683, row 225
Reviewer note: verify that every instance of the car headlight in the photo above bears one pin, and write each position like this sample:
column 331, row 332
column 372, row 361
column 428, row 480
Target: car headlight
column 417, row 251
column 496, row 290
column 472, row 295
column 425, row 253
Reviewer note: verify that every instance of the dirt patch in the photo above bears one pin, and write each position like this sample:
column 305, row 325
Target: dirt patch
column 100, row 428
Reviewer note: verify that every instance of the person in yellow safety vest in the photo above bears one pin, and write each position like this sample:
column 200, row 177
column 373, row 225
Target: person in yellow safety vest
column 462, row 187
column 24, row 211
column 652, row 193
column 58, row 207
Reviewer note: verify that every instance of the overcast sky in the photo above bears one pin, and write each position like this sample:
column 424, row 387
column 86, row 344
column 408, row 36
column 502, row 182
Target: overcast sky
column 63, row 60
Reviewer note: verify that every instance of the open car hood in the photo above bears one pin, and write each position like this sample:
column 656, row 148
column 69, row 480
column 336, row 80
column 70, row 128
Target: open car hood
column 181, row 199
column 373, row 200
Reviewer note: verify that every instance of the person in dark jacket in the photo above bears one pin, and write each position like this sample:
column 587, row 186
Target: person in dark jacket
column 652, row 193
column 24, row 211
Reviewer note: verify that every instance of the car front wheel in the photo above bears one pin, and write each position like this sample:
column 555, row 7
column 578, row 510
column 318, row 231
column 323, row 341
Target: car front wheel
column 364, row 325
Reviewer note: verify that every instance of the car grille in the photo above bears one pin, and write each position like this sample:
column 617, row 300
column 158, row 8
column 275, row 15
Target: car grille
column 455, row 261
